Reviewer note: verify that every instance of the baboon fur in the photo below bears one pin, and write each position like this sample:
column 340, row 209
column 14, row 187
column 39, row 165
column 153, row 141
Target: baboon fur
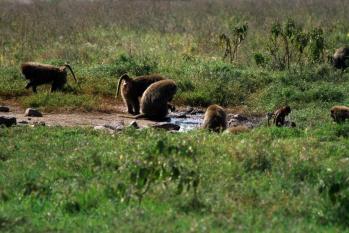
column 155, row 100
column 237, row 129
column 215, row 119
column 340, row 113
column 133, row 89
column 279, row 116
column 341, row 58
column 39, row 74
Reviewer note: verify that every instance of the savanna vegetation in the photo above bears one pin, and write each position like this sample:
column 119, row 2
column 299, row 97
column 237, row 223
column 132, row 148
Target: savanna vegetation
column 252, row 55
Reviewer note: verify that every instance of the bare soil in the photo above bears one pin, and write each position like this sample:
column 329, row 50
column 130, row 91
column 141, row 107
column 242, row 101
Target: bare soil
column 119, row 116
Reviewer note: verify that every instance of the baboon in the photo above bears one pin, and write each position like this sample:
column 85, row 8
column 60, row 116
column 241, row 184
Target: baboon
column 133, row 89
column 279, row 116
column 340, row 113
column 155, row 100
column 341, row 58
column 215, row 118
column 39, row 74
column 237, row 129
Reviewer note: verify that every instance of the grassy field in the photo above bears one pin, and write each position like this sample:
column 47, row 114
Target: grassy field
column 266, row 180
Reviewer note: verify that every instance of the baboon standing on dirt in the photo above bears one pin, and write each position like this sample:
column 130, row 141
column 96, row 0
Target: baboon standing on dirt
column 39, row 74
column 155, row 100
column 133, row 89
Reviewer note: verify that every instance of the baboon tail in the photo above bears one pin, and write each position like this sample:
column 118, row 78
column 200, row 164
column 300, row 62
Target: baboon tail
column 124, row 76
column 140, row 116
column 71, row 70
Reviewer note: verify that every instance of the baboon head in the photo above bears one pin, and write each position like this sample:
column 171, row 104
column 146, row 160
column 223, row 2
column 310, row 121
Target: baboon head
column 287, row 109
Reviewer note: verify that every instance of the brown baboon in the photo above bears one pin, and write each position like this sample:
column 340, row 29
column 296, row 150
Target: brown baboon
column 155, row 100
column 39, row 74
column 215, row 118
column 340, row 113
column 341, row 58
column 279, row 116
column 133, row 89
column 237, row 129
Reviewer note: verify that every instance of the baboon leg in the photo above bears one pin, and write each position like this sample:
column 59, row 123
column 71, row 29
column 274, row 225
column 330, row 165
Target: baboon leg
column 34, row 88
column 56, row 86
column 130, row 108
column 136, row 106
column 171, row 107
column 28, row 85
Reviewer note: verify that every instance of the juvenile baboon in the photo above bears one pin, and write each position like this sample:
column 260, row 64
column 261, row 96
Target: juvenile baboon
column 341, row 58
column 215, row 118
column 237, row 129
column 340, row 113
column 39, row 74
column 155, row 100
column 133, row 89
column 279, row 116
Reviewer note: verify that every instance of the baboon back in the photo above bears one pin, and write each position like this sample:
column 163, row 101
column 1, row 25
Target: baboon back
column 41, row 73
column 141, row 83
column 154, row 102
column 341, row 58
column 215, row 118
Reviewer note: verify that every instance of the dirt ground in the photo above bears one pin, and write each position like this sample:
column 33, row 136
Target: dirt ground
column 118, row 116
column 72, row 118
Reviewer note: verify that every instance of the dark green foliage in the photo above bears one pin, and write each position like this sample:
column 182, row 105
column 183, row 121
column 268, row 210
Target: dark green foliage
column 232, row 40
column 136, row 66
column 290, row 44
column 334, row 189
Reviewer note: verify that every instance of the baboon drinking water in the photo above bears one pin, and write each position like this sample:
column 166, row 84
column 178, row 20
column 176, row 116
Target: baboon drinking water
column 39, row 74
column 215, row 118
column 341, row 58
column 340, row 113
column 155, row 100
column 133, row 89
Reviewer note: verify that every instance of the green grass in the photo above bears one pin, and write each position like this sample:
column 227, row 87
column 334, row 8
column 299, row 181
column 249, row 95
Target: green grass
column 266, row 180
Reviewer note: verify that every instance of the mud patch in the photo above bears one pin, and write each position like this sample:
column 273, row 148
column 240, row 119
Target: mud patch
column 187, row 120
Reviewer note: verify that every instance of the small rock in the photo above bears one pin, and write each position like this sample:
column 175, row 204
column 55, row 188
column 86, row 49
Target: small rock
column 99, row 127
column 8, row 121
column 180, row 115
column 4, row 109
column 238, row 117
column 23, row 122
column 116, row 126
column 102, row 127
column 134, row 124
column 32, row 112
column 166, row 126
column 189, row 110
column 39, row 123
column 193, row 111
column 197, row 111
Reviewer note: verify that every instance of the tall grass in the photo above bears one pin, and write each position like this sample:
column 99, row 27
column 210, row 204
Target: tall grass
column 179, row 39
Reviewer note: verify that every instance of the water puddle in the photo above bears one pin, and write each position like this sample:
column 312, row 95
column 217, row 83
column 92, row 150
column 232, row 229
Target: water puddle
column 187, row 123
